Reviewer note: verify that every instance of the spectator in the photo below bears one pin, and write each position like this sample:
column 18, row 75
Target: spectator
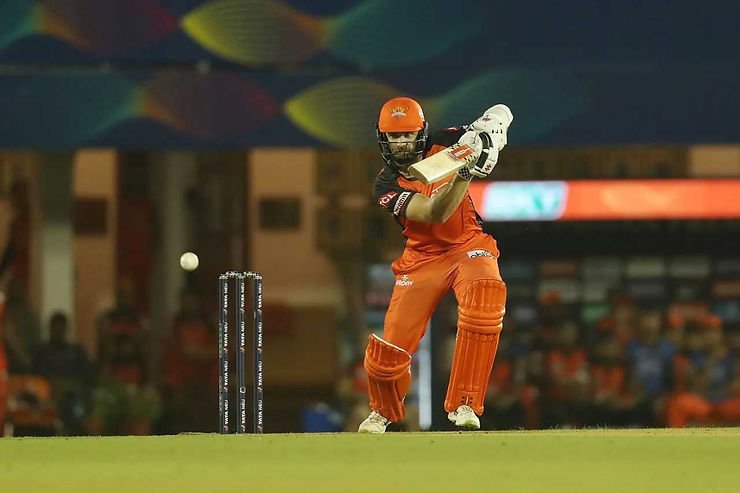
column 705, row 378
column 69, row 372
column 651, row 357
column 732, row 338
column 718, row 368
column 614, row 397
column 123, row 321
column 124, row 401
column 622, row 317
column 509, row 395
column 727, row 412
column 190, row 369
column 566, row 368
column 3, row 368
column 23, row 333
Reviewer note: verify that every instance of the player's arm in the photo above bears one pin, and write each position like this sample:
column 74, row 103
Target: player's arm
column 414, row 206
column 439, row 207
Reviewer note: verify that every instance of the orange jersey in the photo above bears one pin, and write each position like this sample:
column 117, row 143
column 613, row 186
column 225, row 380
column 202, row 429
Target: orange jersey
column 393, row 192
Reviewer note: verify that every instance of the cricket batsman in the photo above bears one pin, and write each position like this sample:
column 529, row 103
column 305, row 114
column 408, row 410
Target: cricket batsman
column 446, row 248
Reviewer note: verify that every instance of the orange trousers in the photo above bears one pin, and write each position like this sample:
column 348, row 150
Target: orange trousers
column 422, row 280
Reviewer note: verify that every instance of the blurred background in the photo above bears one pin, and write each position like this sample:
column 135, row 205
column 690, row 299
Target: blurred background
column 243, row 130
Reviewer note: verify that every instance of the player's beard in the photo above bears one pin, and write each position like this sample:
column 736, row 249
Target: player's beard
column 402, row 164
column 405, row 159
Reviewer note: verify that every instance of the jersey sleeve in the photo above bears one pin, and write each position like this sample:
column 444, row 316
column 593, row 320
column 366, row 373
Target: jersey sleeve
column 390, row 195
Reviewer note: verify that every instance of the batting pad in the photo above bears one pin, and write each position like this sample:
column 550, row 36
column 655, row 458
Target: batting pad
column 389, row 377
column 480, row 318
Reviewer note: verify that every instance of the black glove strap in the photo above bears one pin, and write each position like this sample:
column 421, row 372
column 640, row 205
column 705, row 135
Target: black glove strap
column 486, row 141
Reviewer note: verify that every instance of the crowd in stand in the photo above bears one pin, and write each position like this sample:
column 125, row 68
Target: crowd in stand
column 138, row 384
column 635, row 367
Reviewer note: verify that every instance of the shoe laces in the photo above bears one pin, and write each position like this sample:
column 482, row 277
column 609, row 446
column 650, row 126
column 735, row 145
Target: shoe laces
column 376, row 417
column 465, row 409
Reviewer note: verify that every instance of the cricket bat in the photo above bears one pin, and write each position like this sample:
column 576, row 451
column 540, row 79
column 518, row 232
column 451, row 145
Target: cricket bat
column 456, row 156
column 443, row 163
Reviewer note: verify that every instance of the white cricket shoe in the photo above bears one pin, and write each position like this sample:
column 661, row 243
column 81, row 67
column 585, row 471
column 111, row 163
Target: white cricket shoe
column 464, row 417
column 374, row 423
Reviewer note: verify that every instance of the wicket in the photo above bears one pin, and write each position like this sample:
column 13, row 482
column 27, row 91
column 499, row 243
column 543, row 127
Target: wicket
column 223, row 343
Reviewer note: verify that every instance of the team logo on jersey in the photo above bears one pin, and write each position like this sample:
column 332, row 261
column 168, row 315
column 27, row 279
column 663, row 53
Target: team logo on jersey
column 479, row 253
column 404, row 281
column 387, row 198
column 399, row 111
column 399, row 203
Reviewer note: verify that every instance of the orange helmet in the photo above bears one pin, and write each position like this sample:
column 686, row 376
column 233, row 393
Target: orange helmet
column 401, row 114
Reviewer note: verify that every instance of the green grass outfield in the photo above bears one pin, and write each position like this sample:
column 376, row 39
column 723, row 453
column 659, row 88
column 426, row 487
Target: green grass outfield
column 696, row 460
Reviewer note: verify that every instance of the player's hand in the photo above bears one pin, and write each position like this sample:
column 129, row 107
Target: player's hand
column 487, row 155
column 495, row 122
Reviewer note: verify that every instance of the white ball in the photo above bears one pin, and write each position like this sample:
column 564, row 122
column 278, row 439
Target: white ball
column 189, row 261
